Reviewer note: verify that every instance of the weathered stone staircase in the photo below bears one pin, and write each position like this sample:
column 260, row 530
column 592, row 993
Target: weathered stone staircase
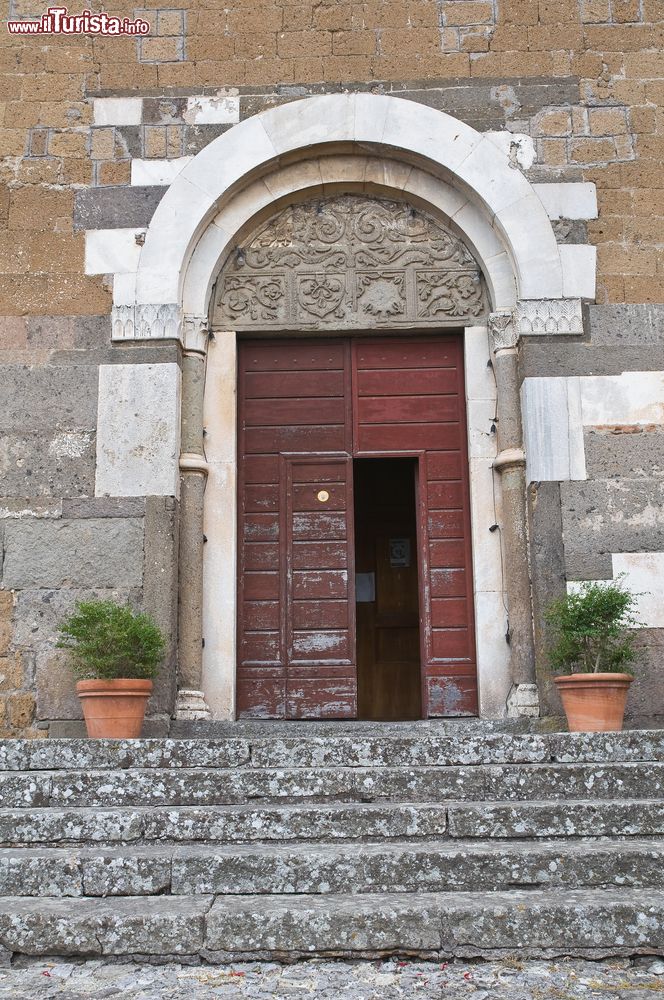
column 383, row 840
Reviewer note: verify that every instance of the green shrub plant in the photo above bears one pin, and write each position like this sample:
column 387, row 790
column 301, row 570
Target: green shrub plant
column 108, row 640
column 592, row 629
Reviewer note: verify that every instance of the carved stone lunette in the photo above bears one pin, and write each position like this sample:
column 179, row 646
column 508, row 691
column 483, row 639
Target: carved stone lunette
column 349, row 262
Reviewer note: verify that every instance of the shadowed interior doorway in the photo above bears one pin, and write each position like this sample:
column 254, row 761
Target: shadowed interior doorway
column 386, row 589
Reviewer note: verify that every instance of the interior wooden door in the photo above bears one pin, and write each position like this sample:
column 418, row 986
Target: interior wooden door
column 296, row 645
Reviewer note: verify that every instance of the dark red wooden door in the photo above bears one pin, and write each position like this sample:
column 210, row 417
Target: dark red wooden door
column 305, row 409
column 409, row 398
column 296, row 576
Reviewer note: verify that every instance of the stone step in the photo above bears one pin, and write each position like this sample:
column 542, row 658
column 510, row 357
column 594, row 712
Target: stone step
column 564, row 748
column 643, row 818
column 198, row 786
column 396, row 745
column 332, row 822
column 443, row 925
column 400, row 866
column 222, row 824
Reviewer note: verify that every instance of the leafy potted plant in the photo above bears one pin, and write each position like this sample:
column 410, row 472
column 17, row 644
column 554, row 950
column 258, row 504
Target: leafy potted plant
column 115, row 652
column 593, row 648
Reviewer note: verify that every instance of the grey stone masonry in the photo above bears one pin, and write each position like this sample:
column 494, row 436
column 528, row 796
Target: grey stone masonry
column 400, row 745
column 73, row 552
column 441, row 925
column 638, row 325
column 636, row 977
column 447, row 925
column 619, row 338
column 116, row 207
column 223, row 824
column 632, row 453
column 610, row 515
column 360, row 842
column 64, row 398
column 48, row 418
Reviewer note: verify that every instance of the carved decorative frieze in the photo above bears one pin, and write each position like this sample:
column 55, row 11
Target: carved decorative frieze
column 163, row 322
column 381, row 294
column 321, row 295
column 545, row 316
column 122, row 323
column 532, row 317
column 446, row 294
column 147, row 322
column 349, row 262
column 257, row 298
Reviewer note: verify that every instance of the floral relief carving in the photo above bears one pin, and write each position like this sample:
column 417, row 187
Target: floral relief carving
column 349, row 261
column 448, row 293
column 382, row 294
column 321, row 294
column 254, row 297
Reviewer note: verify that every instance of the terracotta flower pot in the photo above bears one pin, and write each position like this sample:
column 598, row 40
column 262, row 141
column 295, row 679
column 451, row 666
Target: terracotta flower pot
column 594, row 703
column 114, row 709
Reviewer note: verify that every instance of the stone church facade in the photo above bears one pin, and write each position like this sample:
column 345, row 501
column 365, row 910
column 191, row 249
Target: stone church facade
column 413, row 205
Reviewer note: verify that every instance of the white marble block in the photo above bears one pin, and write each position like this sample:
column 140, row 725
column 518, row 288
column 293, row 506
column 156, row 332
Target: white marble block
column 222, row 108
column 644, row 576
column 112, row 251
column 138, row 430
column 157, row 171
column 118, row 110
column 552, row 428
column 576, row 200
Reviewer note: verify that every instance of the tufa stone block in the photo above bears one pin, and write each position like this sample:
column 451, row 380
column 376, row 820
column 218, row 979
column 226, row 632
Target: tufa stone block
column 116, row 207
column 94, row 552
column 37, row 399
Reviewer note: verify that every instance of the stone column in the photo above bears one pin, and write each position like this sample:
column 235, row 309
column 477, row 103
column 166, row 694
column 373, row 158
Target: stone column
column 510, row 463
column 190, row 702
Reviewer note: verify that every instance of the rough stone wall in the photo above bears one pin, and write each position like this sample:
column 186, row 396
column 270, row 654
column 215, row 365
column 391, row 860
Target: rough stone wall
column 605, row 516
column 583, row 79
column 60, row 543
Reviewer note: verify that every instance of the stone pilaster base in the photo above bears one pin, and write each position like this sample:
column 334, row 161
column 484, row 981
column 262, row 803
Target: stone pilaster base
column 191, row 705
column 523, row 700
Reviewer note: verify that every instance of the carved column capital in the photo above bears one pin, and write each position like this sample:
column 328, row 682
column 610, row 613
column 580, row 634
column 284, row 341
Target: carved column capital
column 195, row 333
column 502, row 330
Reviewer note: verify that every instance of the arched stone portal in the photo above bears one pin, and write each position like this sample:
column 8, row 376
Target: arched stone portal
column 383, row 148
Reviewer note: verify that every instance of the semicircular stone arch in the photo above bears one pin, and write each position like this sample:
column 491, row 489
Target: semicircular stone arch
column 415, row 136
column 318, row 178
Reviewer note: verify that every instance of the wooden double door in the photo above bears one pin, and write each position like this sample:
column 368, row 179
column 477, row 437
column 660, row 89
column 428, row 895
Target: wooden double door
column 355, row 593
